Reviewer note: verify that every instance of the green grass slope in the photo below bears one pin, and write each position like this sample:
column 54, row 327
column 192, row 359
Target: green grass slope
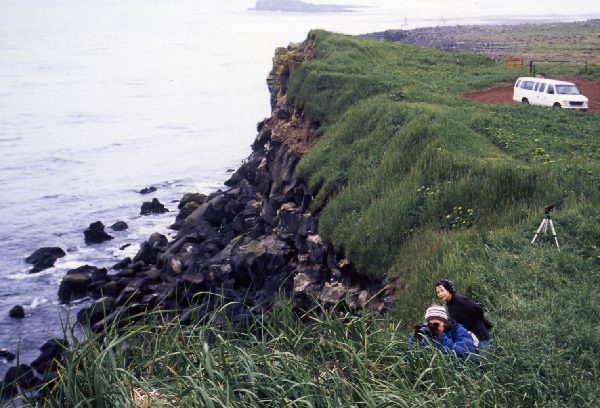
column 415, row 183
column 418, row 183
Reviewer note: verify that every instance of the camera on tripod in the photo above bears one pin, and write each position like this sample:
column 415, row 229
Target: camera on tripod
column 547, row 222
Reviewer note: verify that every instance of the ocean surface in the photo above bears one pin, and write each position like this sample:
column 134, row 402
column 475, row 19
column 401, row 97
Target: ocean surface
column 101, row 98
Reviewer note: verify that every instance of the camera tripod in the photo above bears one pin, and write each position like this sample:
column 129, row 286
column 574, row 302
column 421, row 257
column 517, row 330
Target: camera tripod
column 547, row 221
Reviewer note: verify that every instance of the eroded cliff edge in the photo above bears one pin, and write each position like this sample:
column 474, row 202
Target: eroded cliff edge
column 248, row 243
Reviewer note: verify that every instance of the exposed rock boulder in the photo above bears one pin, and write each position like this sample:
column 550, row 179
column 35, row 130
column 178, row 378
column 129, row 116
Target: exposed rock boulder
column 7, row 355
column 98, row 311
column 21, row 376
column 119, row 226
column 44, row 258
column 332, row 293
column 76, row 283
column 148, row 190
column 50, row 356
column 151, row 249
column 95, row 234
column 122, row 264
column 17, row 312
column 153, row 207
column 188, row 198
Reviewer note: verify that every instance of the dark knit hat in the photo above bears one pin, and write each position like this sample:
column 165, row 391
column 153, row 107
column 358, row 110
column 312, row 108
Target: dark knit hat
column 447, row 284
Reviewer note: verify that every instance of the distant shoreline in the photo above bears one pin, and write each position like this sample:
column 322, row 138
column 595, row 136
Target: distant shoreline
column 574, row 40
column 296, row 6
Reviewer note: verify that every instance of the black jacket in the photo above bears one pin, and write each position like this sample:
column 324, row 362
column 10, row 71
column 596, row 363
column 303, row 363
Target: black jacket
column 469, row 314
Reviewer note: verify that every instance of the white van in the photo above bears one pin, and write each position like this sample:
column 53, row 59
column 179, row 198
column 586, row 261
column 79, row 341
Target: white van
column 549, row 92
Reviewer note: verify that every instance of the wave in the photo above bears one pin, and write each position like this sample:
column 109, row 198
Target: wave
column 10, row 139
column 37, row 301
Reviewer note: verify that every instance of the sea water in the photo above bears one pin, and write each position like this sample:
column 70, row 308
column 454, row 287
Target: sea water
column 101, row 98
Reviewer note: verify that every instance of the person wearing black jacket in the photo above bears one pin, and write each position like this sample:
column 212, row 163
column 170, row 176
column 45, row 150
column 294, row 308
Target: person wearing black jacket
column 466, row 312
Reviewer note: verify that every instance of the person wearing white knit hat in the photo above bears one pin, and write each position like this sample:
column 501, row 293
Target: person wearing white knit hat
column 448, row 335
column 436, row 312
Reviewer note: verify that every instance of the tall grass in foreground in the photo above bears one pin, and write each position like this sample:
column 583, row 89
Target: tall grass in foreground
column 320, row 359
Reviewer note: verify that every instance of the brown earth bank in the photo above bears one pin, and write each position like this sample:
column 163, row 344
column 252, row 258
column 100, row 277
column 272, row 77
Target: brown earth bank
column 503, row 94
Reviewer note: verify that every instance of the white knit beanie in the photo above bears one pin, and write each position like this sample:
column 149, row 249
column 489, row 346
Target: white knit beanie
column 436, row 312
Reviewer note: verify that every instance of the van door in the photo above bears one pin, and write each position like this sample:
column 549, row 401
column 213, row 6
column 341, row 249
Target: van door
column 536, row 96
column 549, row 95
column 540, row 88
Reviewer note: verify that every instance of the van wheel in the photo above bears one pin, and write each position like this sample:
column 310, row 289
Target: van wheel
column 525, row 100
column 557, row 105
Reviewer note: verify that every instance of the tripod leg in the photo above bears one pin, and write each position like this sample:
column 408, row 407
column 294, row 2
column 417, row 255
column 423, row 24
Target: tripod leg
column 542, row 226
column 554, row 234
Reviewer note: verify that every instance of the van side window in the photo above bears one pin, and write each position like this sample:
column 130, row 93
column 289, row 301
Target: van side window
column 537, row 85
column 528, row 85
column 550, row 89
column 542, row 87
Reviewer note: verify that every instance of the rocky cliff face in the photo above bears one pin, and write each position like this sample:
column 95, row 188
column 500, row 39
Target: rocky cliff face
column 253, row 241
column 286, row 123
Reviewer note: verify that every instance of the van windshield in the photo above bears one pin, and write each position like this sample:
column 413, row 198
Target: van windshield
column 567, row 90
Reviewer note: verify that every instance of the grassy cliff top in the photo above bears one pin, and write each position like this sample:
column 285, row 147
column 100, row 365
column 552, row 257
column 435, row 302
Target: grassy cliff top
column 418, row 184
column 403, row 155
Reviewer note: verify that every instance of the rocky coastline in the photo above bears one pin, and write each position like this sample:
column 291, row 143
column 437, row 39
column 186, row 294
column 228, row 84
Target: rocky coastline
column 534, row 39
column 250, row 242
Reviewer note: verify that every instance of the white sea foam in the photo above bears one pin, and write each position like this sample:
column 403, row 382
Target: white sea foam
column 37, row 301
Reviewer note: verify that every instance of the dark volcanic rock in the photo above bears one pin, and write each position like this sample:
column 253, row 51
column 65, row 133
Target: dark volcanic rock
column 95, row 234
column 151, row 249
column 98, row 311
column 50, row 356
column 7, row 355
column 112, row 288
column 17, row 312
column 74, row 286
column 122, row 264
column 191, row 198
column 148, row 190
column 153, row 207
column 44, row 258
column 119, row 226
column 41, row 253
column 21, row 376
